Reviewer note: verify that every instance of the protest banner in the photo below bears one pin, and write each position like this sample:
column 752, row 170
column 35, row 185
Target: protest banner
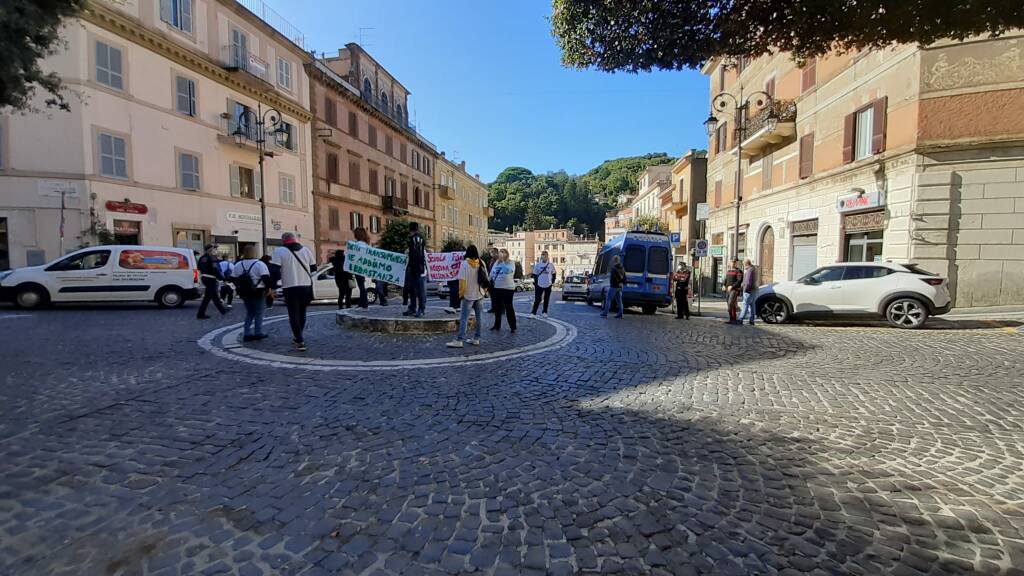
column 444, row 266
column 374, row 263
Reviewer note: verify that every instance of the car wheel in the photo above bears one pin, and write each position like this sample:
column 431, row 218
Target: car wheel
column 906, row 313
column 774, row 311
column 170, row 297
column 371, row 296
column 31, row 297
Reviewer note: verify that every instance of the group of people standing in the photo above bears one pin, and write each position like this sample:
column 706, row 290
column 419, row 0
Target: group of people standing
column 740, row 288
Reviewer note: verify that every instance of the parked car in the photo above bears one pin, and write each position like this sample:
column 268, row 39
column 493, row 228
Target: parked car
column 442, row 289
column 902, row 294
column 167, row 276
column 647, row 258
column 574, row 287
column 324, row 288
column 524, row 284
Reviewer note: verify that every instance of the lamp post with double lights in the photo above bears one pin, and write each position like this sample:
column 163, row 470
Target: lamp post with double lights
column 256, row 126
column 741, row 109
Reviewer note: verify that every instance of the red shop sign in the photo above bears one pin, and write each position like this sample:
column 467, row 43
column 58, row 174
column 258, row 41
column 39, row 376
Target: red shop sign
column 126, row 207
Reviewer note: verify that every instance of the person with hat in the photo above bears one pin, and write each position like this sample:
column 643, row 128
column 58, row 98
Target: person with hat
column 210, row 275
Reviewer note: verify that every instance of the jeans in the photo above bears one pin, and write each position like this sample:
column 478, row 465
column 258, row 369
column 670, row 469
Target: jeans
column 254, row 307
column 503, row 307
column 478, row 310
column 361, row 283
column 417, row 294
column 297, row 299
column 453, row 294
column 614, row 293
column 538, row 294
column 748, row 306
column 210, row 294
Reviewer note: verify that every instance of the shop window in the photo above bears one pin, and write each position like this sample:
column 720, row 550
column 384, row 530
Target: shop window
column 193, row 240
column 864, row 247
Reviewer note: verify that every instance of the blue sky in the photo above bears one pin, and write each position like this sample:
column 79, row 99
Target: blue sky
column 487, row 86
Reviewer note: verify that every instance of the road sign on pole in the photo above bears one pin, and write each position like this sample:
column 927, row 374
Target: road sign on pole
column 700, row 248
column 674, row 238
column 703, row 210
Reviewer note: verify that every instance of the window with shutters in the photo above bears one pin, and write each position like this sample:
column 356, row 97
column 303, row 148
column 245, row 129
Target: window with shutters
column 769, row 86
column 109, row 67
column 864, row 131
column 286, row 137
column 371, row 135
column 718, row 193
column 402, row 155
column 333, row 174
column 286, row 183
column 244, row 183
column 806, row 155
column 331, row 111
column 113, row 156
column 353, row 174
column 721, row 77
column 416, row 196
column 375, row 224
column 177, row 13
column 863, row 123
column 405, row 190
column 721, row 137
column 284, row 74
column 353, row 125
column 374, row 176
column 389, row 147
column 188, row 171
column 185, row 96
column 355, row 220
column 333, row 219
column 809, row 75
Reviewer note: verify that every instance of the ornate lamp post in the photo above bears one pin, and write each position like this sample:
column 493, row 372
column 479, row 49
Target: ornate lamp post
column 741, row 108
column 256, row 126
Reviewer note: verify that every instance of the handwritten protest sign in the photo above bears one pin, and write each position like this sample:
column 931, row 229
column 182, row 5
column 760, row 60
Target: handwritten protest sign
column 444, row 266
column 374, row 263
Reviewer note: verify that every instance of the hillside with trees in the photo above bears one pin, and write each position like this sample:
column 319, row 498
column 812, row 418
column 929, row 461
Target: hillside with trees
column 522, row 199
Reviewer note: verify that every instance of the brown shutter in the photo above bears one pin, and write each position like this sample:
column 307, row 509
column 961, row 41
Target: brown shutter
column 332, row 168
column 849, row 134
column 807, row 155
column 353, row 125
column 809, row 75
column 766, row 172
column 353, row 174
column 878, row 127
column 718, row 193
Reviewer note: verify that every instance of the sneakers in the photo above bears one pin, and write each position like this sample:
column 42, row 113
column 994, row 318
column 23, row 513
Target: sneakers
column 544, row 315
column 249, row 338
column 300, row 346
column 455, row 344
column 618, row 315
column 475, row 342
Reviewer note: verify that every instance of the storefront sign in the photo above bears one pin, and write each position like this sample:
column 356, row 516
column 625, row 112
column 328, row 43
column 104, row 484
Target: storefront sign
column 374, row 263
column 862, row 201
column 864, row 222
column 244, row 218
column 444, row 266
column 805, row 228
column 126, row 207
column 703, row 211
column 717, row 251
column 126, row 227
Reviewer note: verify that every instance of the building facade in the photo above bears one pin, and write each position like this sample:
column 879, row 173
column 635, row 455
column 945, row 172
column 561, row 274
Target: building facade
column 580, row 255
column 650, row 184
column 370, row 164
column 903, row 154
column 679, row 200
column 462, row 205
column 159, row 147
column 617, row 222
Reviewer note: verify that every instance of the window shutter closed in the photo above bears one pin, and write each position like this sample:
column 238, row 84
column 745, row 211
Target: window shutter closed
column 332, row 168
column 718, row 193
column 236, row 181
column 849, row 134
column 878, row 127
column 809, row 75
column 257, row 185
column 807, row 155
column 769, row 87
column 766, row 172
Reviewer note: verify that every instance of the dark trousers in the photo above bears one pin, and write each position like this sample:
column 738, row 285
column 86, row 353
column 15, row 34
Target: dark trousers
column 453, row 294
column 361, row 283
column 297, row 299
column 730, row 301
column 382, row 292
column 344, row 292
column 503, row 307
column 682, row 304
column 541, row 293
column 227, row 293
column 417, row 293
column 210, row 295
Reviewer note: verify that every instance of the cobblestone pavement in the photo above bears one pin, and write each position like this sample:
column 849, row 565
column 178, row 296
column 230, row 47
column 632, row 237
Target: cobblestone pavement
column 643, row 446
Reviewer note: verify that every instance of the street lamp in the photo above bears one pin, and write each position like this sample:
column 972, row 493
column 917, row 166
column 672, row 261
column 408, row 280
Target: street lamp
column 741, row 107
column 261, row 120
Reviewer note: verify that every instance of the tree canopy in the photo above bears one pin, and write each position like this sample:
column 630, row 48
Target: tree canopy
column 618, row 176
column 30, row 31
column 642, row 35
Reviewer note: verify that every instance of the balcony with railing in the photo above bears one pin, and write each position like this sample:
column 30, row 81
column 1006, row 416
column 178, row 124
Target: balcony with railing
column 275, row 20
column 769, row 127
column 445, row 192
column 250, row 66
column 395, row 203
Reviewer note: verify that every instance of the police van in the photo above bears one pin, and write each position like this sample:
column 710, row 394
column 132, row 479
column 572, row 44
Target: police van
column 647, row 258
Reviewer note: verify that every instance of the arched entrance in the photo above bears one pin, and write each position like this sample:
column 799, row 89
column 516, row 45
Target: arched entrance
column 767, row 257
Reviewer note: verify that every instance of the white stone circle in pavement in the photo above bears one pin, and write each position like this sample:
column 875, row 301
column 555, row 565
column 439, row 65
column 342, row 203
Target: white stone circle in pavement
column 226, row 342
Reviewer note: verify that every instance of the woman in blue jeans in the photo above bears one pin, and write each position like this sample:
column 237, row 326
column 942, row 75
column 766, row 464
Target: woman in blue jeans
column 254, row 295
column 472, row 283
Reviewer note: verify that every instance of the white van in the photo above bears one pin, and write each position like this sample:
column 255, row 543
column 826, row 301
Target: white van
column 167, row 276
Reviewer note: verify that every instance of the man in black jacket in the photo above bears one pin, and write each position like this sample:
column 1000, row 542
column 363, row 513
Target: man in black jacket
column 210, row 274
column 416, row 272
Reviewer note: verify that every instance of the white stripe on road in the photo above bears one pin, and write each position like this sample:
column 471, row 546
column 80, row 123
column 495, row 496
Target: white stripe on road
column 9, row 316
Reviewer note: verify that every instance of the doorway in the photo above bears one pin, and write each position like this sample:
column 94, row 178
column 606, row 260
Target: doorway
column 128, row 232
column 766, row 270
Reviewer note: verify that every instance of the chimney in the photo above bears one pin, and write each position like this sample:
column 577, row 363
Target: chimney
column 477, row 176
column 462, row 165
column 442, row 154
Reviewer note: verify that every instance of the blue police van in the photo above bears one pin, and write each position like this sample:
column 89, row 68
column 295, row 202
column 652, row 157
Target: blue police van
column 647, row 258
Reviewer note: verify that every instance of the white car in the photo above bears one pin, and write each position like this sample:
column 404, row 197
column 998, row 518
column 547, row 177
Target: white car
column 167, row 276
column 324, row 288
column 902, row 294
column 574, row 287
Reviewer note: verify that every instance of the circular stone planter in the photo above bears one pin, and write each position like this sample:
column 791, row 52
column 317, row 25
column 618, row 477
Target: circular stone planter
column 390, row 320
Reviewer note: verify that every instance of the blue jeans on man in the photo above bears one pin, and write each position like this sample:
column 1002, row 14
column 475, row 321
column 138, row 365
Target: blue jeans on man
column 614, row 293
column 747, row 307
column 254, row 307
column 478, row 310
column 418, row 294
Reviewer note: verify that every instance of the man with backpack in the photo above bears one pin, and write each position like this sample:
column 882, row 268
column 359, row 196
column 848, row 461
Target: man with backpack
column 252, row 282
column 297, row 266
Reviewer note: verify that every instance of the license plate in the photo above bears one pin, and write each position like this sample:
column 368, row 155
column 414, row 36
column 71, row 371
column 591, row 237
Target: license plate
column 632, row 285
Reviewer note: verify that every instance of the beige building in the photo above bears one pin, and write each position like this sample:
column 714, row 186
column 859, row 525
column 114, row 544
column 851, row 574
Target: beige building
column 650, row 184
column 520, row 248
column 903, row 154
column 462, row 209
column 679, row 200
column 580, row 255
column 370, row 164
column 617, row 222
column 160, row 149
column 571, row 254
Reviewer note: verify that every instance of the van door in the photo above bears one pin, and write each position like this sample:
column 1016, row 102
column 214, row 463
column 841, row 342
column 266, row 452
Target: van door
column 659, row 262
column 82, row 277
column 140, row 272
column 634, row 260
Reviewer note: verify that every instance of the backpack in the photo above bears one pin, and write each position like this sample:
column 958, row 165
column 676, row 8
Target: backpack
column 244, row 284
column 482, row 279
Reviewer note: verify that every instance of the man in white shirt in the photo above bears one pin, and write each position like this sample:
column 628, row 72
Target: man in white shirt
column 543, row 279
column 297, row 266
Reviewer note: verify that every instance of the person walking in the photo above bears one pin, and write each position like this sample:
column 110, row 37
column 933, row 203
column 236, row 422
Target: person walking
column 341, row 279
column 616, row 280
column 210, row 275
column 227, row 290
column 733, row 282
column 682, row 292
column 490, row 266
column 297, row 267
column 252, row 282
column 363, row 236
column 543, row 279
column 416, row 272
column 473, row 283
column 503, row 273
column 749, row 288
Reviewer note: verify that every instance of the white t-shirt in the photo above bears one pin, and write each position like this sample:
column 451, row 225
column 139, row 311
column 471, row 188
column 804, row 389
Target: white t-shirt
column 295, row 266
column 257, row 270
column 470, row 276
column 545, row 272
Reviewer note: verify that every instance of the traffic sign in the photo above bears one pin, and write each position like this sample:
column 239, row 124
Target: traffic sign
column 674, row 238
column 703, row 211
column 700, row 248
